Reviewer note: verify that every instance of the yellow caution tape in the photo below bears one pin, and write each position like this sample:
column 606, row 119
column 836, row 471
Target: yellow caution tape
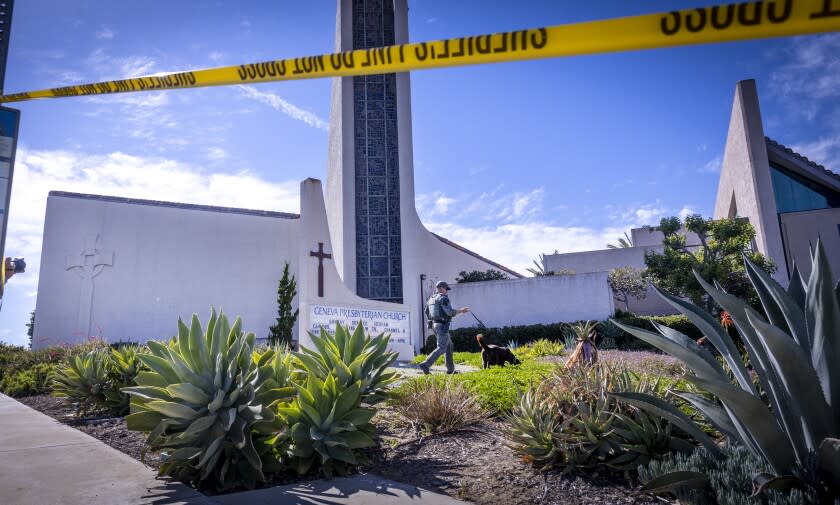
column 722, row 23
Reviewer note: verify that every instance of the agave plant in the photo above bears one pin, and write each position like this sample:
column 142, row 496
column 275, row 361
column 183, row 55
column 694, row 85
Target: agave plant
column 200, row 404
column 351, row 358
column 122, row 366
column 585, row 350
column 83, row 380
column 327, row 425
column 794, row 352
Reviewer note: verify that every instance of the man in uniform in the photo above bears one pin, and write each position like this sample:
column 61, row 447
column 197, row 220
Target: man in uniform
column 440, row 312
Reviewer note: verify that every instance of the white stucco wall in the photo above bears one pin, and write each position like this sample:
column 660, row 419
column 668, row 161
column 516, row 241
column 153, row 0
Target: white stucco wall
column 533, row 300
column 167, row 262
column 608, row 259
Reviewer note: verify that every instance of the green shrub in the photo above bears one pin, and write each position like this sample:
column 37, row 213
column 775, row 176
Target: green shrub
column 722, row 480
column 463, row 339
column 625, row 340
column 199, row 405
column 439, row 406
column 540, row 348
column 35, row 380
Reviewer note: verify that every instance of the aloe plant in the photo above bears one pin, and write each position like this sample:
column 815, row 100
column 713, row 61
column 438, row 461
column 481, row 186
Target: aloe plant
column 351, row 358
column 83, row 380
column 794, row 351
column 327, row 425
column 200, row 402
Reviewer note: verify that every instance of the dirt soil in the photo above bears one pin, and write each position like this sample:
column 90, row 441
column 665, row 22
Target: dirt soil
column 472, row 464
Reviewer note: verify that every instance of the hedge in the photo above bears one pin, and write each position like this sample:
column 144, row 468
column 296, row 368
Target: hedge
column 463, row 339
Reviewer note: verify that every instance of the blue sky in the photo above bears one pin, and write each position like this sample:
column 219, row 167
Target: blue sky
column 549, row 155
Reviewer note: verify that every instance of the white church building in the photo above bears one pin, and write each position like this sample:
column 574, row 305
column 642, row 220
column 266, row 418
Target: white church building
column 127, row 269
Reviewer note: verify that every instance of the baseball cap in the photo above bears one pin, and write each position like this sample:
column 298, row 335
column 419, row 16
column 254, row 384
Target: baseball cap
column 442, row 284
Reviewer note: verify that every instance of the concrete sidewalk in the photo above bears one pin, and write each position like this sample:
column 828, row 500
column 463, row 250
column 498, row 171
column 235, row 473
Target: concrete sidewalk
column 45, row 462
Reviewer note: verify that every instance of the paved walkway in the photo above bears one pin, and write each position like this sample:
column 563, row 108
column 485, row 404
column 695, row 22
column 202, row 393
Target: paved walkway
column 45, row 462
column 408, row 370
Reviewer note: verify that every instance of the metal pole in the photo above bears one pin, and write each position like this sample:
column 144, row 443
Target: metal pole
column 422, row 314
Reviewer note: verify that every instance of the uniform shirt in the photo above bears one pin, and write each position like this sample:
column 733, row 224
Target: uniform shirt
column 445, row 305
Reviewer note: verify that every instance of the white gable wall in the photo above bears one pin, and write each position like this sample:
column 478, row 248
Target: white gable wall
column 167, row 263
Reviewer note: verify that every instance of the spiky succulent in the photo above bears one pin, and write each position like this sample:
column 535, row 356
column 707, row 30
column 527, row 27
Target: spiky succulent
column 585, row 351
column 83, row 380
column 570, row 421
column 199, row 404
column 351, row 358
column 122, row 367
column 795, row 352
column 326, row 425
column 530, row 428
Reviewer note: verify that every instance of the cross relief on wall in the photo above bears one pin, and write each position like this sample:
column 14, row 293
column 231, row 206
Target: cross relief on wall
column 88, row 264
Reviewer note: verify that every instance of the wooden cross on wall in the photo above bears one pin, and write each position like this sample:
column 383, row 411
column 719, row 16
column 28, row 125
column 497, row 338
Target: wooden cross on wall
column 320, row 254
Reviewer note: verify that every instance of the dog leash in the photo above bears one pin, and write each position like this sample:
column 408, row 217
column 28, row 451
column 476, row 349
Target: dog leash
column 479, row 321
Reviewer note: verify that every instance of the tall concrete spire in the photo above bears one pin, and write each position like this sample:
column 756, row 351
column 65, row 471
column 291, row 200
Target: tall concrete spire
column 370, row 178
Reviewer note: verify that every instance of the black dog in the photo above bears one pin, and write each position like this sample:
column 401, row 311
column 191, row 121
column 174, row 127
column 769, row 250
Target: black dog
column 494, row 354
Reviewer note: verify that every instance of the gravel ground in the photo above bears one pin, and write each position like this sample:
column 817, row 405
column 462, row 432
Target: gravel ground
column 473, row 464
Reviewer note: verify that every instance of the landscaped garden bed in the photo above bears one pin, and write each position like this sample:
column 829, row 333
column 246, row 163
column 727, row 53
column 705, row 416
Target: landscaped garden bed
column 709, row 429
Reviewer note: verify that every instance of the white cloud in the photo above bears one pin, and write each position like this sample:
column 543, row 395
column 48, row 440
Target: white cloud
column 526, row 229
column 645, row 215
column 119, row 174
column 283, row 106
column 713, row 166
column 216, row 56
column 70, row 77
column 516, row 245
column 685, row 212
column 436, row 204
column 810, row 79
column 105, row 33
column 825, row 151
column 216, row 153
column 107, row 67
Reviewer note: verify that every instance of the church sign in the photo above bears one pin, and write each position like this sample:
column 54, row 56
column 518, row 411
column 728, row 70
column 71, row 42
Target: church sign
column 374, row 321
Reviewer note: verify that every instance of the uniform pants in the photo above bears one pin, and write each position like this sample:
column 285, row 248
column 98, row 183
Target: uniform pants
column 444, row 346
